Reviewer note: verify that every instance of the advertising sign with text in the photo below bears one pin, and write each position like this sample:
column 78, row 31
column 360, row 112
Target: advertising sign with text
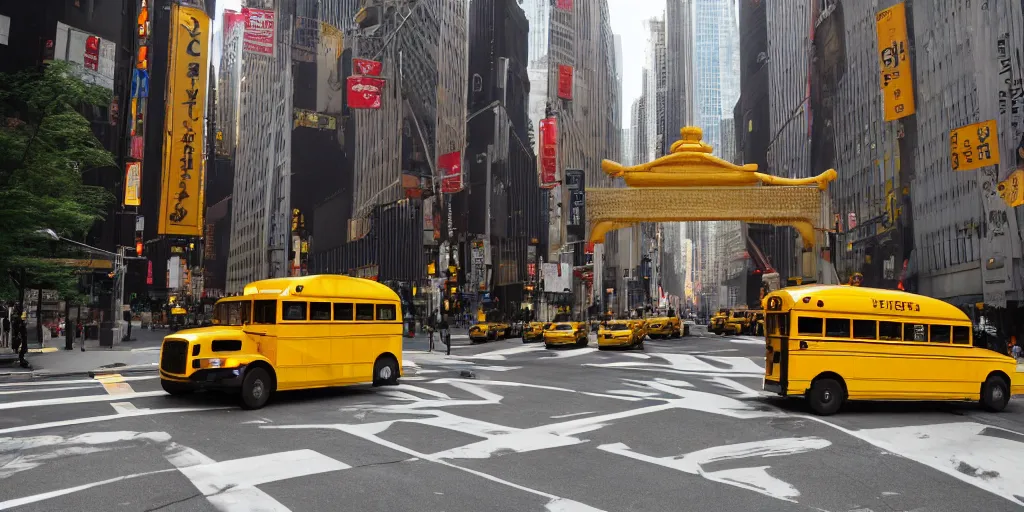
column 896, row 75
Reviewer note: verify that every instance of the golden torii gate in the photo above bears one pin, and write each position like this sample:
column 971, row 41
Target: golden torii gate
column 689, row 184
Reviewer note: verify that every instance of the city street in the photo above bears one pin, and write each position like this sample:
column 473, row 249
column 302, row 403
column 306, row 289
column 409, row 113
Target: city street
column 506, row 426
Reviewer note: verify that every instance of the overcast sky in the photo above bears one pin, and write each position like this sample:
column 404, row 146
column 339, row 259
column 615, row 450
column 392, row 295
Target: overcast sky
column 627, row 21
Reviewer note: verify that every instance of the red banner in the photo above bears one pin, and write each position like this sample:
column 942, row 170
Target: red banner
column 548, row 152
column 364, row 92
column 260, row 31
column 565, row 82
column 91, row 58
column 367, row 67
column 565, row 5
column 149, row 272
column 450, row 167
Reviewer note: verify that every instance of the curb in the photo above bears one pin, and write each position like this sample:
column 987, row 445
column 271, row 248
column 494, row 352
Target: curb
column 44, row 375
column 124, row 370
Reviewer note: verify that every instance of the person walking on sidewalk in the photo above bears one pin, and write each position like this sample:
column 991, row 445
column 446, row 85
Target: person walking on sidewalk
column 5, row 328
column 19, row 336
column 128, row 319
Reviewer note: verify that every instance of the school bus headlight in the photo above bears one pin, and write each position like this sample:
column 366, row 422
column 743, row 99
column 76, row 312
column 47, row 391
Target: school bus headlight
column 216, row 362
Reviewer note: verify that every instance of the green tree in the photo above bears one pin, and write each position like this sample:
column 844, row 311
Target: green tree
column 45, row 146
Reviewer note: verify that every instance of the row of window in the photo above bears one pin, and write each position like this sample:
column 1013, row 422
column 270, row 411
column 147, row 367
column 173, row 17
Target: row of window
column 870, row 329
column 342, row 311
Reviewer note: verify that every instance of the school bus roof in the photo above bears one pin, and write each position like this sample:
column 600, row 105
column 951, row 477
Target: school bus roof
column 326, row 285
column 859, row 301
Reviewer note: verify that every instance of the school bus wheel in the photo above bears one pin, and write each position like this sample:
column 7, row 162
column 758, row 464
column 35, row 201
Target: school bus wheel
column 826, row 395
column 256, row 388
column 385, row 371
column 175, row 388
column 995, row 393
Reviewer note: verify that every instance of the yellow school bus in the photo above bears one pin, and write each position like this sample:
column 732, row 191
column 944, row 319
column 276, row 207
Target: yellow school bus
column 830, row 344
column 290, row 333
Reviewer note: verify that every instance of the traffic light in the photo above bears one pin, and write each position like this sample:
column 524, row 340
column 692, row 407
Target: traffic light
column 138, row 246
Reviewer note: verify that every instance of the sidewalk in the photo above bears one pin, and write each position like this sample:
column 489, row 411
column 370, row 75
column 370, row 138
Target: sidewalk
column 53, row 360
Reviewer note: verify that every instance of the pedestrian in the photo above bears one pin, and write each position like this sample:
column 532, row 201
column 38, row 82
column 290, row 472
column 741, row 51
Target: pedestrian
column 128, row 319
column 5, row 329
column 19, row 336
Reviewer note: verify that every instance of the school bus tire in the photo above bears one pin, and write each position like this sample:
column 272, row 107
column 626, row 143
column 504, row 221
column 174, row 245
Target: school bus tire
column 826, row 395
column 257, row 386
column 995, row 392
column 385, row 371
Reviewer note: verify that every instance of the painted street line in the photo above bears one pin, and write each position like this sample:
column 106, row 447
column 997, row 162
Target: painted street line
column 72, row 381
column 115, row 384
column 368, row 432
column 45, row 390
column 123, row 407
column 754, row 479
column 78, row 399
column 32, row 452
column 109, row 417
column 6, row 505
column 230, row 486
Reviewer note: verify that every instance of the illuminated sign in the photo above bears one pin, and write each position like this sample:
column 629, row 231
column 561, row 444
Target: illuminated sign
column 181, row 206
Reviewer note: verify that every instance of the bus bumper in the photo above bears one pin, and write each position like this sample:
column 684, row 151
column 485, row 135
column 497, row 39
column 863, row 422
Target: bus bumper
column 773, row 387
column 212, row 378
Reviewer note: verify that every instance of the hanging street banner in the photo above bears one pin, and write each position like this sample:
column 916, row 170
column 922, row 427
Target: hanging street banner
column 181, row 202
column 367, row 67
column 974, row 146
column 565, row 82
column 894, row 62
column 260, row 31
column 548, row 152
column 364, row 92
column 450, row 167
column 576, row 184
column 133, row 184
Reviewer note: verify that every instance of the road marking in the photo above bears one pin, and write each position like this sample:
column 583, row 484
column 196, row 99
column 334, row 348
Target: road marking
column 115, row 384
column 74, row 381
column 44, row 350
column 108, row 417
column 555, row 503
column 123, row 407
column 560, row 416
column 230, row 486
column 9, row 504
column 45, row 390
column 147, row 349
column 78, row 400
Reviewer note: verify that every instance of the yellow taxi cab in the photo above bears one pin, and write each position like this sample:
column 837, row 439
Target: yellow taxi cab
column 717, row 323
column 738, row 322
column 290, row 333
column 534, row 331
column 830, row 344
column 619, row 333
column 566, row 333
column 488, row 331
column 664, row 327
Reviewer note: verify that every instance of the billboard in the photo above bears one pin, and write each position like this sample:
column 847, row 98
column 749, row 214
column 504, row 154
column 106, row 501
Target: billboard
column 92, row 58
column 896, row 76
column 181, row 201
column 974, row 146
column 450, row 167
column 260, row 31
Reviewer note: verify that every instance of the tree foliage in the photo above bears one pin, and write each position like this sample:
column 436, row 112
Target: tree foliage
column 45, row 146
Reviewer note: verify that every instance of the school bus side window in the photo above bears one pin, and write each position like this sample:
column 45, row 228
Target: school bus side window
column 364, row 312
column 386, row 312
column 915, row 332
column 961, row 335
column 940, row 334
column 343, row 311
column 864, row 330
column 809, row 326
column 320, row 311
column 837, row 327
column 889, row 331
column 264, row 312
column 293, row 310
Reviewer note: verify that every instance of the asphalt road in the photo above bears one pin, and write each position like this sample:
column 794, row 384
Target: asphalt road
column 678, row 426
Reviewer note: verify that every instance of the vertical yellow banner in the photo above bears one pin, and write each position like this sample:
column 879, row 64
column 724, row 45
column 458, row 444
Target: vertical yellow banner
column 894, row 62
column 184, row 176
column 133, row 184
